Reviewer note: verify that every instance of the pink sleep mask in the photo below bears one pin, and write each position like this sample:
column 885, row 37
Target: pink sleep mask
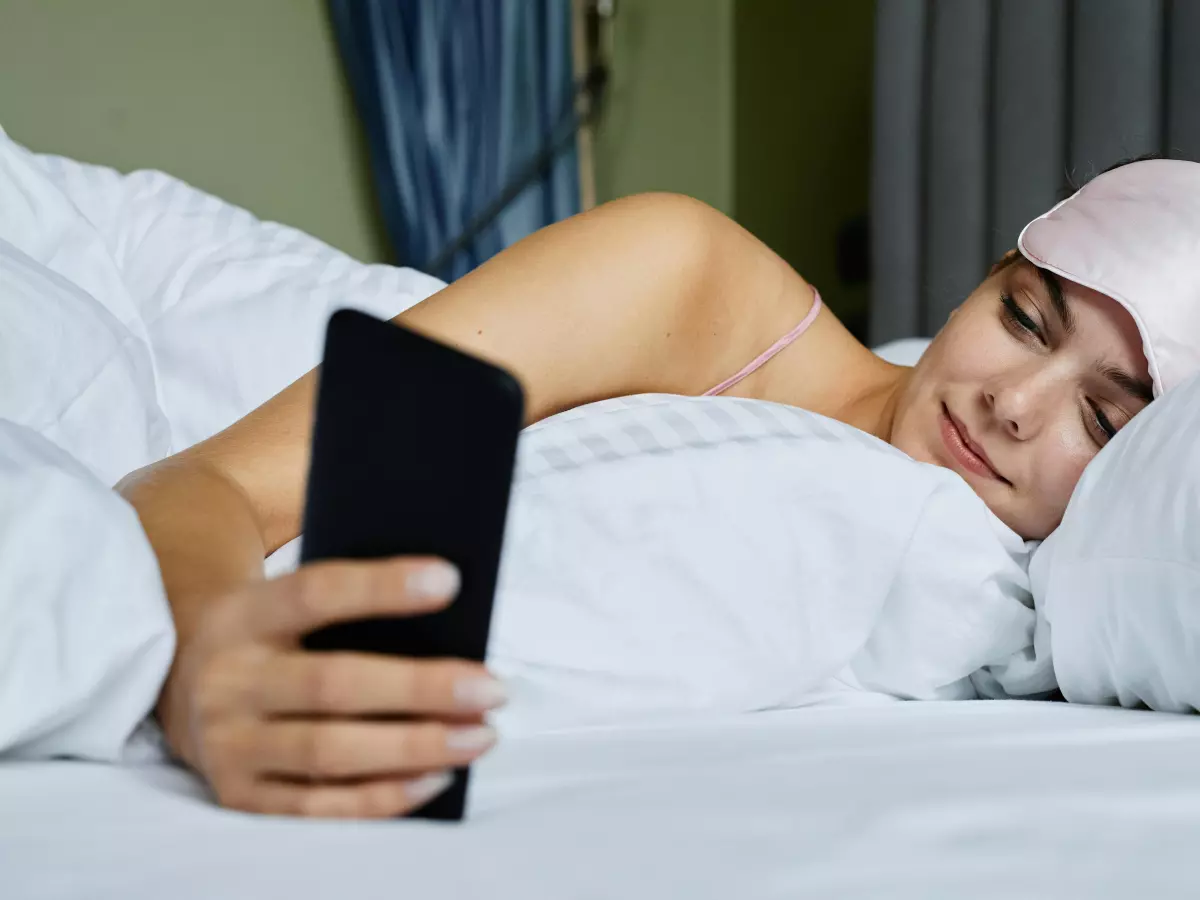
column 1133, row 234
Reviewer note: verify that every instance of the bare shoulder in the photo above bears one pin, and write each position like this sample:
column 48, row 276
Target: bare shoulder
column 835, row 374
column 759, row 298
column 827, row 370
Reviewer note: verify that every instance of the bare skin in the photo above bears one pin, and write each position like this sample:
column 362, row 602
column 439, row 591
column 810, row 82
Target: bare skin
column 655, row 293
column 1036, row 395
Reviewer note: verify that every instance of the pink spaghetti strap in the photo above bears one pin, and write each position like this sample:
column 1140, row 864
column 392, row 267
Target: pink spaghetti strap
column 763, row 357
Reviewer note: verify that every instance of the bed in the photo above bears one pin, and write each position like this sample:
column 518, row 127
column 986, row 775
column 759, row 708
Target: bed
column 976, row 799
column 864, row 797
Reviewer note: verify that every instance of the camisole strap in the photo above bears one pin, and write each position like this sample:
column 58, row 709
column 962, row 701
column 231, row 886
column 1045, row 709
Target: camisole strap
column 766, row 355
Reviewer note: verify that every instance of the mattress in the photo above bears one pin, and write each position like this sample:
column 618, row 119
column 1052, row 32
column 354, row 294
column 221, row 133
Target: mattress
column 970, row 799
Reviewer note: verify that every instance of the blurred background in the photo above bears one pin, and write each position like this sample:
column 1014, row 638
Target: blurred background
column 888, row 150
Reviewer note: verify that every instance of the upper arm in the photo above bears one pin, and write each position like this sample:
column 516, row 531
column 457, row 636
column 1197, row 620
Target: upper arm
column 655, row 292
column 649, row 293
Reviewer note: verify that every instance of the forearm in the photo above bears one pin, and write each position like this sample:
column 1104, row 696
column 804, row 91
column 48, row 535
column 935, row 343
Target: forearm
column 202, row 528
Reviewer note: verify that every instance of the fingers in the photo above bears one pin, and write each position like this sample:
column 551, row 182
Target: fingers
column 276, row 729
column 323, row 593
column 378, row 799
column 337, row 750
column 365, row 684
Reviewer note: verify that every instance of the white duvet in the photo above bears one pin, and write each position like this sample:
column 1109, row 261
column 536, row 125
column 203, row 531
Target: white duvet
column 664, row 554
column 137, row 316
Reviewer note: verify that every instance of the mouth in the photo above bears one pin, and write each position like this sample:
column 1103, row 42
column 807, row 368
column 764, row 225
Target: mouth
column 969, row 455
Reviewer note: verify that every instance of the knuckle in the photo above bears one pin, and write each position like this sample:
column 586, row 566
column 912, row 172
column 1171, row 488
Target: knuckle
column 356, row 581
column 213, row 696
column 208, row 700
column 430, row 685
column 322, row 752
column 408, row 683
column 239, row 795
column 425, row 744
column 229, row 755
column 309, row 750
column 331, row 586
column 312, row 803
column 224, row 687
column 378, row 801
column 221, row 748
column 325, row 685
column 313, row 586
column 403, row 747
column 325, row 803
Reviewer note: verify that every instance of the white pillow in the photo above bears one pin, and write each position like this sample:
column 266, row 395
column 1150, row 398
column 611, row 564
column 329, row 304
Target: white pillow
column 668, row 554
column 1119, row 580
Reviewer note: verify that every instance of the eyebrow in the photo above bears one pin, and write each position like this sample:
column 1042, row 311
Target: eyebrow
column 1134, row 387
column 1061, row 308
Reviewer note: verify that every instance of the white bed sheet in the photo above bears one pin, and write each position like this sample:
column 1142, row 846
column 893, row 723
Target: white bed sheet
column 924, row 800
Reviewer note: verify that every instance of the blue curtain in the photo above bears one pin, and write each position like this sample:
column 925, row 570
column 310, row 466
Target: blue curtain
column 458, row 99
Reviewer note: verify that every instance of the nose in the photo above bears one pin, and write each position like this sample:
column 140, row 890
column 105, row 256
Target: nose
column 1020, row 400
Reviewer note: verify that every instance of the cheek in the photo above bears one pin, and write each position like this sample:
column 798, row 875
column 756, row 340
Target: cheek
column 969, row 349
column 1060, row 465
column 1040, row 508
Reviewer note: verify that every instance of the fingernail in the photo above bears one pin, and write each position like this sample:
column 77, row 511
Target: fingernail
column 434, row 580
column 475, row 737
column 480, row 693
column 428, row 786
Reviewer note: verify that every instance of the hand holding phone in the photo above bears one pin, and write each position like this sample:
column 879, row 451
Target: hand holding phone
column 414, row 444
column 282, row 732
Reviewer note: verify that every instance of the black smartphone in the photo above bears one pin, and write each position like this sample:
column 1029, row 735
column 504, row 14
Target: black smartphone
column 413, row 450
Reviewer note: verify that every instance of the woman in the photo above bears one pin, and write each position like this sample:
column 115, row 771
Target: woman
column 1033, row 374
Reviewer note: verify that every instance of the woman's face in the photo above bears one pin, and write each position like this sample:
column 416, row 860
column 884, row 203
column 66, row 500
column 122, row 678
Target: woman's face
column 1027, row 381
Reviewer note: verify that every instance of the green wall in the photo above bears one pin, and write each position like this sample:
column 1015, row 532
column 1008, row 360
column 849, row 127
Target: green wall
column 668, row 122
column 802, row 105
column 758, row 107
column 243, row 98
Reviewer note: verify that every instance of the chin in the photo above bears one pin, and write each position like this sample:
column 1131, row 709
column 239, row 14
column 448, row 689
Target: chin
column 1026, row 530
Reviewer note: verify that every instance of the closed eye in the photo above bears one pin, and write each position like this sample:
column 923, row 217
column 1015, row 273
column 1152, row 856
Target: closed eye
column 1018, row 319
column 1102, row 422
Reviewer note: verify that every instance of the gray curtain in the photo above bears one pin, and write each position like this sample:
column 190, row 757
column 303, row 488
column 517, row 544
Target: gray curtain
column 985, row 111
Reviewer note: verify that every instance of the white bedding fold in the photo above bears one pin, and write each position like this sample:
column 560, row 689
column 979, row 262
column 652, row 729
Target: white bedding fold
column 85, row 633
column 671, row 553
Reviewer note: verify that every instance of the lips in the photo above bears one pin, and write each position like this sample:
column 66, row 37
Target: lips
column 965, row 452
